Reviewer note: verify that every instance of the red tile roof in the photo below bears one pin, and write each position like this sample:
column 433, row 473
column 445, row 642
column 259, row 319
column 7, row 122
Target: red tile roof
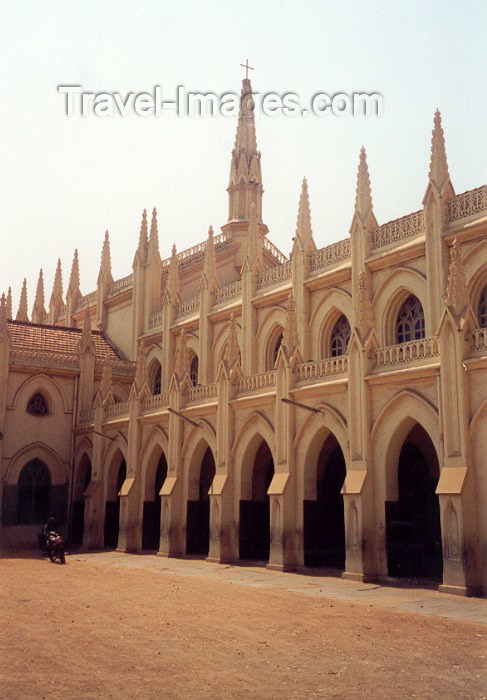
column 34, row 336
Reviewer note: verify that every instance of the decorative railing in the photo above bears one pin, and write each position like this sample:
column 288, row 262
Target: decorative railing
column 87, row 299
column 275, row 252
column 151, row 403
column 230, row 291
column 406, row 352
column 405, row 227
column 155, row 319
column 478, row 339
column 255, row 382
column 120, row 284
column 86, row 416
column 196, row 253
column 118, row 409
column 309, row 371
column 468, row 203
column 274, row 275
column 331, row 254
column 36, row 358
column 188, row 307
column 202, row 392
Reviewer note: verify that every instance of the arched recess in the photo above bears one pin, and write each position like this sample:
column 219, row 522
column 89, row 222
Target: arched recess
column 475, row 268
column 390, row 296
column 82, row 477
column 407, row 459
column 270, row 327
column 324, row 316
column 57, row 488
column 153, row 475
column 120, row 392
column 115, row 472
column 272, row 346
column 200, row 471
column 220, row 342
column 478, row 437
column 46, row 385
column 478, row 294
column 155, row 376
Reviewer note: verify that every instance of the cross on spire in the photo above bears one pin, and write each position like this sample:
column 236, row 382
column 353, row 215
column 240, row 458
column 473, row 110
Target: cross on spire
column 247, row 68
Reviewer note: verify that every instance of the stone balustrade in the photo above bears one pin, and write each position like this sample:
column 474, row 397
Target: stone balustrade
column 86, row 416
column 406, row 352
column 120, row 285
column 87, row 300
column 155, row 320
column 478, row 339
column 118, row 409
column 256, row 382
column 275, row 252
column 229, row 292
column 202, row 392
column 331, row 254
column 399, row 229
column 38, row 358
column 468, row 203
column 152, row 403
column 188, row 307
column 274, row 275
column 311, row 371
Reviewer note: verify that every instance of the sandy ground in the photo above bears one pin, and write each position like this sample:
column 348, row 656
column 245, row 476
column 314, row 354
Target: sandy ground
column 88, row 630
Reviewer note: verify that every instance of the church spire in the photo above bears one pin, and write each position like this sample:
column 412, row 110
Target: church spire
column 304, row 231
column 438, row 173
column 245, row 185
column 39, row 311
column 173, row 277
column 22, row 314
column 74, row 277
column 143, row 239
column 154, row 235
column 8, row 307
column 105, row 274
column 363, row 196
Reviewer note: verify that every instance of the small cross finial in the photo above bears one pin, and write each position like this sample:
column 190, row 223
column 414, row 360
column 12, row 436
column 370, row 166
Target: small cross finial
column 247, row 68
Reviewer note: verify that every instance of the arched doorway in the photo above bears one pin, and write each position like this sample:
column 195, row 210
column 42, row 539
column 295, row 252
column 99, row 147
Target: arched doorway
column 324, row 523
column 83, row 478
column 34, row 493
column 198, row 512
column 413, row 528
column 112, row 506
column 151, row 520
column 254, row 531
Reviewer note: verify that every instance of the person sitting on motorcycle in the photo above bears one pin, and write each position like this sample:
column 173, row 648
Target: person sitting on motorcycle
column 50, row 526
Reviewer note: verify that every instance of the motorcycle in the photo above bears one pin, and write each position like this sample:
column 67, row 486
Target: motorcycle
column 55, row 547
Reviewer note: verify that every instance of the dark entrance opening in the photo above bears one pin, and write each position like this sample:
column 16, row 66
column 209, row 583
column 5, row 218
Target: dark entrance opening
column 34, row 489
column 112, row 508
column 151, row 523
column 198, row 514
column 324, row 522
column 254, row 532
column 78, row 512
column 413, row 521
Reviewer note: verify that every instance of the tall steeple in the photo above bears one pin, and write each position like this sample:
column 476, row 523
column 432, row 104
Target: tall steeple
column 73, row 287
column 143, row 239
column 39, row 312
column 438, row 173
column 56, row 301
column 154, row 235
column 245, row 185
column 363, row 195
column 22, row 314
column 304, row 233
column 105, row 274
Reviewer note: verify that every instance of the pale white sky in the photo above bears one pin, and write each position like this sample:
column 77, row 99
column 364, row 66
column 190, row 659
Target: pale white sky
column 64, row 181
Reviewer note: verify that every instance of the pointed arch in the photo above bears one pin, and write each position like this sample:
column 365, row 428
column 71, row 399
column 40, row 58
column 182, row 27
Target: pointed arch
column 37, row 450
column 335, row 304
column 48, row 386
column 391, row 294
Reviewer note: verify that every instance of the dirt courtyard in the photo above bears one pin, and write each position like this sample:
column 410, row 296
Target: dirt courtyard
column 90, row 630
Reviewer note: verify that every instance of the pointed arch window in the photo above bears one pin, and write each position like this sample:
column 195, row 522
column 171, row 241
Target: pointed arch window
column 37, row 405
column 483, row 308
column 272, row 351
column 410, row 321
column 34, row 487
column 340, row 337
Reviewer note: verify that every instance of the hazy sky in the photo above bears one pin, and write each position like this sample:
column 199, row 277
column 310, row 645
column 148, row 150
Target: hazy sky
column 65, row 180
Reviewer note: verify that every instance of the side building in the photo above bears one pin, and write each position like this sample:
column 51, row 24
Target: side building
column 327, row 410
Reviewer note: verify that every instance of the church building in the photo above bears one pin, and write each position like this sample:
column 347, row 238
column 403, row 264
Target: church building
column 323, row 411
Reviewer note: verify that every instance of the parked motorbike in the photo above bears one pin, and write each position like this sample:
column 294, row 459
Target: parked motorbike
column 55, row 547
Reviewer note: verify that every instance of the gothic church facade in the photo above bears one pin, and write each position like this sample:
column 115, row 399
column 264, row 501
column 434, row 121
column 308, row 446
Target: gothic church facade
column 327, row 410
